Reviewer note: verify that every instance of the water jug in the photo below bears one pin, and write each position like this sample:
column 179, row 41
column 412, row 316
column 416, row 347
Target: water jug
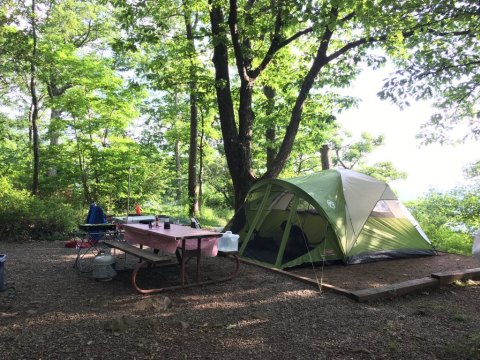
column 228, row 242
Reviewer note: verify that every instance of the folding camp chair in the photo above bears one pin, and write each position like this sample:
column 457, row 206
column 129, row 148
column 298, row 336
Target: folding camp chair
column 91, row 236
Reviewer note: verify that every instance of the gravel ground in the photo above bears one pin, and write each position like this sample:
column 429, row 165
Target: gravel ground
column 50, row 311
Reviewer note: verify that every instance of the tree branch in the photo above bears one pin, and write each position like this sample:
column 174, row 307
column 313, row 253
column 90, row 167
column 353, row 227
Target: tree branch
column 82, row 41
column 274, row 48
column 237, row 49
column 320, row 60
column 439, row 70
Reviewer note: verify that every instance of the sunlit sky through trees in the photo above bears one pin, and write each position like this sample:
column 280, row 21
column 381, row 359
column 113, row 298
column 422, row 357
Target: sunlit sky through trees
column 428, row 166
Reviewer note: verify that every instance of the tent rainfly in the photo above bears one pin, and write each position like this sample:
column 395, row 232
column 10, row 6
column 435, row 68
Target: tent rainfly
column 332, row 215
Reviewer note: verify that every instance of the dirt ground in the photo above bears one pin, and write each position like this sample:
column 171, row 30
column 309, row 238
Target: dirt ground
column 378, row 274
column 51, row 311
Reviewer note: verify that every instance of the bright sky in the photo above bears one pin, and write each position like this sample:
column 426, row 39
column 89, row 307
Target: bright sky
column 431, row 166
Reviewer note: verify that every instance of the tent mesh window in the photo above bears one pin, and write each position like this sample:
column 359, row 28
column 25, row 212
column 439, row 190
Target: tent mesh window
column 388, row 209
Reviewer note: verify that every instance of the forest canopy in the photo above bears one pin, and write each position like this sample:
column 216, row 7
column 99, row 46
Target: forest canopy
column 186, row 104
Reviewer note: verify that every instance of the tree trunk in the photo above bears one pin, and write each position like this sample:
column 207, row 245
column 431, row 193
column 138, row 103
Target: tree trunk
column 238, row 163
column 325, row 156
column 178, row 170
column 270, row 133
column 237, row 144
column 200, row 169
column 34, row 112
column 192, row 159
column 54, row 136
column 83, row 174
column 292, row 128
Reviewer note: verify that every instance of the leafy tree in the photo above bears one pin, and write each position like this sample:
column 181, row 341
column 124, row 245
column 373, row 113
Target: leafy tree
column 97, row 112
column 384, row 171
column 349, row 154
column 74, row 77
column 441, row 62
column 335, row 37
column 169, row 38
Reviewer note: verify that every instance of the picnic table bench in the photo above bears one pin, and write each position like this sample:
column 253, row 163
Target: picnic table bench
column 142, row 254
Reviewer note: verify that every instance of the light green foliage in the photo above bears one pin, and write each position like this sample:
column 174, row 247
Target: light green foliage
column 450, row 219
column 384, row 171
column 86, row 106
column 214, row 217
column 348, row 153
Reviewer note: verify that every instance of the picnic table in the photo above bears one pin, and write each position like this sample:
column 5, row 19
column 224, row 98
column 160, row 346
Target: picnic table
column 183, row 241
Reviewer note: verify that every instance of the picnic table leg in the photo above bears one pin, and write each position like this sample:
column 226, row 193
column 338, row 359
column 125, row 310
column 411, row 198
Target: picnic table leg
column 134, row 277
column 234, row 273
column 236, row 261
column 182, row 264
column 199, row 254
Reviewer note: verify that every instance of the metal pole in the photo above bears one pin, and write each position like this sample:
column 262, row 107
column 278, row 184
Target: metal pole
column 128, row 198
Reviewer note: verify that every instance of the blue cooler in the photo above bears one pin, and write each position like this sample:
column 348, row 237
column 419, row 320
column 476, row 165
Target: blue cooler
column 2, row 270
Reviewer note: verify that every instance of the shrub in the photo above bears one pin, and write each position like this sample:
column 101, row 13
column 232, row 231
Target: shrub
column 449, row 241
column 26, row 217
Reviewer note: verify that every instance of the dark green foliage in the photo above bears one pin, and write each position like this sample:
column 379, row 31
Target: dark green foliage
column 26, row 217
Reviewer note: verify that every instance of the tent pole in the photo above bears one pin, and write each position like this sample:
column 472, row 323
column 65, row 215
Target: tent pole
column 286, row 233
column 256, row 219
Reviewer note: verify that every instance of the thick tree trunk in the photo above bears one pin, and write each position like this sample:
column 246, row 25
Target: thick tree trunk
column 237, row 144
column 236, row 148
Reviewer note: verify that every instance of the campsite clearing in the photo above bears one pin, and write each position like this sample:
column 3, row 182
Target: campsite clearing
column 51, row 311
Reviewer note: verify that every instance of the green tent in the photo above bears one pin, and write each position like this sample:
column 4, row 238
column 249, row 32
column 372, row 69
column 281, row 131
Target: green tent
column 332, row 215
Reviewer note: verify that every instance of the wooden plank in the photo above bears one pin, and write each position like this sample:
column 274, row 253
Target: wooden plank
column 447, row 277
column 135, row 251
column 394, row 290
column 303, row 279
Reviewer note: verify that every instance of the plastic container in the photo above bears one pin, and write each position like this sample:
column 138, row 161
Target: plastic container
column 228, row 242
column 208, row 246
column 3, row 258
